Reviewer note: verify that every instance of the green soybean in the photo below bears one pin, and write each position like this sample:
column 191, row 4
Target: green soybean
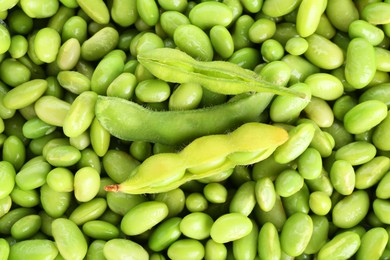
column 288, row 182
column 208, row 14
column 365, row 116
column 26, row 227
column 360, row 65
column 33, row 249
column 381, row 209
column 51, row 110
column 349, row 211
column 343, row 245
column 194, row 41
column 230, row 227
column 300, row 135
column 381, row 190
column 131, row 222
column 87, row 211
column 342, row 177
column 373, row 243
column 308, row 16
column 186, row 249
column 165, row 234
column 148, row 11
column 196, row 225
column 118, row 248
column 296, row 234
column 215, row 192
column 214, row 250
column 25, row 94
column 53, row 202
column 369, row 174
column 99, row 44
column 222, row 41
column 80, row 114
column 60, row 179
column 99, row 229
column 268, row 242
column 7, row 177
column 342, row 13
column 375, row 13
column 247, row 247
column 86, row 184
column 124, row 13
column 320, row 234
column 69, row 239
column 331, row 56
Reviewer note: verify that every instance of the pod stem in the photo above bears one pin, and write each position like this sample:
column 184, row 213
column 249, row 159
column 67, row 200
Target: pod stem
column 112, row 187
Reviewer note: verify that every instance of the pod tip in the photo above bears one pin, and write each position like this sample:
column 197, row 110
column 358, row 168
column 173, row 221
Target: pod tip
column 112, row 187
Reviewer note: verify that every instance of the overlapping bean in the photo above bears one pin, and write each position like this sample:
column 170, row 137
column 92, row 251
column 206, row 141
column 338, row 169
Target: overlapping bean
column 172, row 98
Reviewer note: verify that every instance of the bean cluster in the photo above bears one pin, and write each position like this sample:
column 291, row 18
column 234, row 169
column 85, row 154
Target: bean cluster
column 93, row 91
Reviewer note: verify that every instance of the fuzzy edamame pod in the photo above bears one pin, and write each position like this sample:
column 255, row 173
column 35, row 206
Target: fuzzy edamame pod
column 204, row 157
column 179, row 126
column 218, row 76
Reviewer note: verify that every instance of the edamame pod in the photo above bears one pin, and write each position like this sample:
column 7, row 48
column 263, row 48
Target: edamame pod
column 179, row 126
column 204, row 157
column 226, row 78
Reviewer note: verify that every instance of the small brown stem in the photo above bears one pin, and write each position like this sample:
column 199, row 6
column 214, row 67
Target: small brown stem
column 112, row 187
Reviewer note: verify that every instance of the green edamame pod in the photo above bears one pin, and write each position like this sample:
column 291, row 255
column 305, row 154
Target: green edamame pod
column 180, row 126
column 222, row 77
